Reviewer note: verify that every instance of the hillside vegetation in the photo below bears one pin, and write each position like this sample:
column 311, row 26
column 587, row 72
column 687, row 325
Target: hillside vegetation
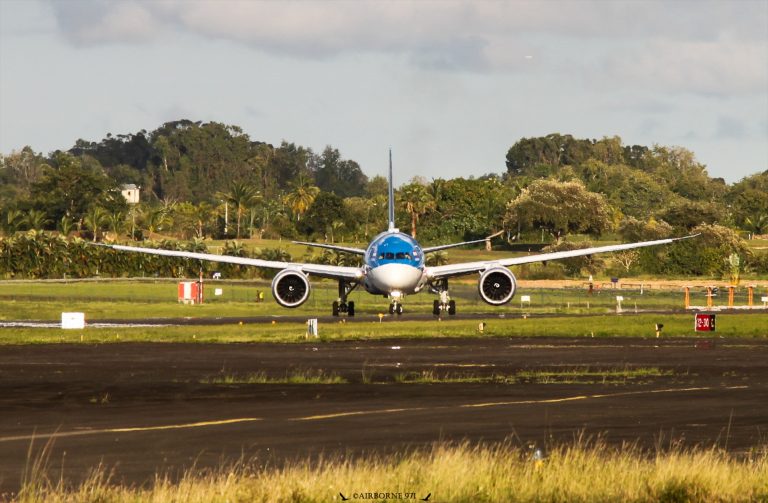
column 202, row 181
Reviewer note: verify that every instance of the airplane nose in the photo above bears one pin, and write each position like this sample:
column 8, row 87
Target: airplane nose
column 390, row 277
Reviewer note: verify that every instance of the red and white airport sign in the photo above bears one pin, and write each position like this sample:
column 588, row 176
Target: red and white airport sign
column 704, row 322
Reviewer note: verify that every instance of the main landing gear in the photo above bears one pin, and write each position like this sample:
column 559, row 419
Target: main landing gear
column 341, row 306
column 445, row 304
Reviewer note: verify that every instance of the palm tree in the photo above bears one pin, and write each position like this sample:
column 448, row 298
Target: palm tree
column 437, row 258
column 65, row 226
column 116, row 223
column 13, row 219
column 34, row 220
column 757, row 225
column 155, row 219
column 95, row 219
column 335, row 226
column 417, row 202
column 241, row 196
column 202, row 213
column 302, row 197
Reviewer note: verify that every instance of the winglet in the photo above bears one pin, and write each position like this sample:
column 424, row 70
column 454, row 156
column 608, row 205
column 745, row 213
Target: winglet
column 391, row 197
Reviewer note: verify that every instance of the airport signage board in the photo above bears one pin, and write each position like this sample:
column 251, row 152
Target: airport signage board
column 704, row 322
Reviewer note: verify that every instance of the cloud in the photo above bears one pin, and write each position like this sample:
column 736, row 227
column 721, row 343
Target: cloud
column 709, row 68
column 729, row 128
column 94, row 22
column 703, row 47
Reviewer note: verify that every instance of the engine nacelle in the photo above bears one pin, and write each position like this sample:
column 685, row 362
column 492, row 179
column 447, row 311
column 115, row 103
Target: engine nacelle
column 290, row 288
column 497, row 286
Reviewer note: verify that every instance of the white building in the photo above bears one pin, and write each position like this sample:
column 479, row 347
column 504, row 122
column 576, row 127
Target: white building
column 130, row 193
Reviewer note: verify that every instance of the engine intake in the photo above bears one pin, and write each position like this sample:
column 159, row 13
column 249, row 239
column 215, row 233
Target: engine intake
column 290, row 288
column 497, row 286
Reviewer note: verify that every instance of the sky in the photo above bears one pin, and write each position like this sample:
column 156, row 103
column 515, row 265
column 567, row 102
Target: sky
column 448, row 85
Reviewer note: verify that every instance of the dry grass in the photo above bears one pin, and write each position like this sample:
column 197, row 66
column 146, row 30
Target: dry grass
column 585, row 471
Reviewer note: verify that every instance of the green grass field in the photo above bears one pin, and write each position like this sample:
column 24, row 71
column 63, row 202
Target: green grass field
column 110, row 299
column 675, row 325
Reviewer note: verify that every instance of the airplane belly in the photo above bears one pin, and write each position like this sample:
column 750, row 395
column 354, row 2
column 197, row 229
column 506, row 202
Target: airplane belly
column 387, row 278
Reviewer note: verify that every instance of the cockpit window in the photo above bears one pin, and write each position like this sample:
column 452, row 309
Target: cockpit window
column 403, row 255
column 389, row 255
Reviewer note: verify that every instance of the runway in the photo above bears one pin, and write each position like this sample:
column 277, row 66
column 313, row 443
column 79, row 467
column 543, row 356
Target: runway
column 147, row 408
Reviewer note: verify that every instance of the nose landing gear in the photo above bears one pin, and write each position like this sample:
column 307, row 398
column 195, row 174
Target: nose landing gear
column 396, row 308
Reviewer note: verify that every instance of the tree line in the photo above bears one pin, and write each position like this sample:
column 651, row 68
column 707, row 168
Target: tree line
column 210, row 180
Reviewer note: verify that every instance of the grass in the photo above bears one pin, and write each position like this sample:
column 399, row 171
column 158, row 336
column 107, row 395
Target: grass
column 157, row 298
column 296, row 377
column 584, row 375
column 736, row 325
column 577, row 375
column 583, row 471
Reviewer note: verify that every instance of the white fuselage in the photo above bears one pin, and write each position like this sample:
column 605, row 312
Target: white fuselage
column 394, row 265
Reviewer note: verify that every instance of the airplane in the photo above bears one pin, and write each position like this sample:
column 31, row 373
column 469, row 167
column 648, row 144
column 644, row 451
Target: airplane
column 394, row 267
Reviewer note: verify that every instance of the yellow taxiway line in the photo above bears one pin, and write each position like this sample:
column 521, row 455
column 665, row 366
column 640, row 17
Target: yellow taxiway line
column 78, row 433
column 336, row 415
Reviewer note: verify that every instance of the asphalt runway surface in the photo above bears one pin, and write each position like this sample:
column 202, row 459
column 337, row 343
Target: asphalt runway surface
column 142, row 409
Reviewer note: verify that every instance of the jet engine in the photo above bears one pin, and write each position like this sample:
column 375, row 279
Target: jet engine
column 497, row 286
column 290, row 288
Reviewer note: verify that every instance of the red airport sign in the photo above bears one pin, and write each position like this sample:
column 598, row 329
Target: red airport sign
column 704, row 322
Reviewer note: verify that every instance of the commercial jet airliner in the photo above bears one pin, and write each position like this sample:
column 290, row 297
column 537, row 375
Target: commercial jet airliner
column 394, row 266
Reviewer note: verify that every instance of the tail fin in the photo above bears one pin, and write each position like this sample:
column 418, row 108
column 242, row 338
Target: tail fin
column 391, row 196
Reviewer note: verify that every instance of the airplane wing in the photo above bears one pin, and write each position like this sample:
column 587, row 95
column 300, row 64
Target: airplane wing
column 447, row 271
column 345, row 249
column 430, row 249
column 323, row 271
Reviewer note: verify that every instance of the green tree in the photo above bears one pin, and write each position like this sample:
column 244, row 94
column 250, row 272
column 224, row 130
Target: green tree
column 560, row 208
column 12, row 220
column 757, row 225
column 34, row 220
column 301, row 198
column 95, row 220
column 326, row 209
column 342, row 177
column 416, row 201
column 241, row 196
column 70, row 187
column 687, row 214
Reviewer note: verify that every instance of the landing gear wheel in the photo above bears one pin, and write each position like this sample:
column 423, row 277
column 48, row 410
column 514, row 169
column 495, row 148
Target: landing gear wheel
column 335, row 308
column 391, row 309
column 351, row 308
column 452, row 307
column 436, row 308
column 399, row 309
